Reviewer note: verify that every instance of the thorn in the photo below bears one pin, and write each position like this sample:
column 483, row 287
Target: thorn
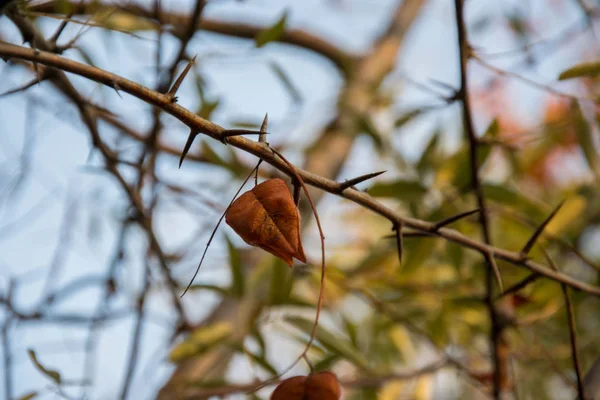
column 239, row 132
column 354, row 181
column 180, row 78
column 519, row 285
column 187, row 146
column 531, row 242
column 262, row 138
column 117, row 88
column 452, row 219
column 492, row 261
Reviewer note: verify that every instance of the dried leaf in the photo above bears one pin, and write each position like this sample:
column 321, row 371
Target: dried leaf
column 266, row 217
column 320, row 386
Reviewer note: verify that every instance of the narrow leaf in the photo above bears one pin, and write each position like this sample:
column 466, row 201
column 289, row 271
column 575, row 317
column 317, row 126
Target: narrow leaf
column 50, row 373
column 273, row 33
column 584, row 134
column 331, row 342
column 581, row 70
column 407, row 117
column 28, row 396
column 286, row 81
column 237, row 275
column 401, row 189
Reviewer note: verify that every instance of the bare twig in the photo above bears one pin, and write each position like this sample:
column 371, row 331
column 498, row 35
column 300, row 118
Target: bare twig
column 212, row 235
column 572, row 330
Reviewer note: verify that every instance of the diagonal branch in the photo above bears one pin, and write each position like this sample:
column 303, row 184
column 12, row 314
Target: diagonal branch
column 262, row 151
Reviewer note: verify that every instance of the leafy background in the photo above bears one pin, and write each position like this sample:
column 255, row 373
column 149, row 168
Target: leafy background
column 76, row 266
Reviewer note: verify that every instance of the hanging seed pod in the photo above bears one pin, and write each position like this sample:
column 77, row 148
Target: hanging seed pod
column 267, row 217
column 319, row 386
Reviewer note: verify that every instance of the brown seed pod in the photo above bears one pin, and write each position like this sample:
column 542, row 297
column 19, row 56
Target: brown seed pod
column 267, row 217
column 319, row 386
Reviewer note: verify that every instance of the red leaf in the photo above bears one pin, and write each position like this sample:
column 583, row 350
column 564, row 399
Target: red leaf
column 267, row 217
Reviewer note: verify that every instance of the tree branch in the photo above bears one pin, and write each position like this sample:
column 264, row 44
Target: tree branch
column 262, row 151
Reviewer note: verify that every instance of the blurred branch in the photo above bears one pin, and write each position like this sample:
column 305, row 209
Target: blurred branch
column 373, row 382
column 180, row 21
column 497, row 337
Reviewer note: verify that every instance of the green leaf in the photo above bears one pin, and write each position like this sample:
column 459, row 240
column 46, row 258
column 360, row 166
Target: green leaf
column 262, row 361
column 581, row 70
column 584, row 134
column 50, row 373
column 207, row 108
column 281, row 282
column 28, row 396
column 212, row 157
column 286, row 81
column 273, row 33
column 493, row 129
column 201, row 340
column 506, row 195
column 429, row 157
column 237, row 275
column 367, row 127
column 462, row 176
column 407, row 117
column 331, row 342
column 405, row 190
column 214, row 288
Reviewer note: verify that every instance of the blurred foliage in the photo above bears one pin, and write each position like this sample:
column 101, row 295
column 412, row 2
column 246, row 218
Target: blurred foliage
column 381, row 318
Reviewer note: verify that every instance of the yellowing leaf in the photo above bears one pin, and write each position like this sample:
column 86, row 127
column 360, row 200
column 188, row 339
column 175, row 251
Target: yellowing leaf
column 581, row 70
column 50, row 373
column 572, row 209
column 200, row 340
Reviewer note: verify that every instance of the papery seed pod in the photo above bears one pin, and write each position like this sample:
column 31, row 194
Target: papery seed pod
column 267, row 217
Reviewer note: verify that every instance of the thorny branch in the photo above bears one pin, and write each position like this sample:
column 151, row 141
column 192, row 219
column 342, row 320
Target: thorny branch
column 262, row 151
column 497, row 338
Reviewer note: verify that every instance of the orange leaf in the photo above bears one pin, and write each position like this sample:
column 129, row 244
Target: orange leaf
column 267, row 217
column 320, row 386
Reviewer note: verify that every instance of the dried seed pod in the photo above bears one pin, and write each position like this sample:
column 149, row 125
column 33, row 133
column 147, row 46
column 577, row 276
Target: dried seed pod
column 319, row 386
column 267, row 217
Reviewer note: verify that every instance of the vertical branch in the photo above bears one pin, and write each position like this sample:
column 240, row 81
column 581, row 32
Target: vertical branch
column 496, row 335
column 7, row 361
column 573, row 338
column 137, row 334
column 572, row 331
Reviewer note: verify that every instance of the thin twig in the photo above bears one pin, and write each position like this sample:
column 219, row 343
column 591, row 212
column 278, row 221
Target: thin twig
column 572, row 329
column 212, row 235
